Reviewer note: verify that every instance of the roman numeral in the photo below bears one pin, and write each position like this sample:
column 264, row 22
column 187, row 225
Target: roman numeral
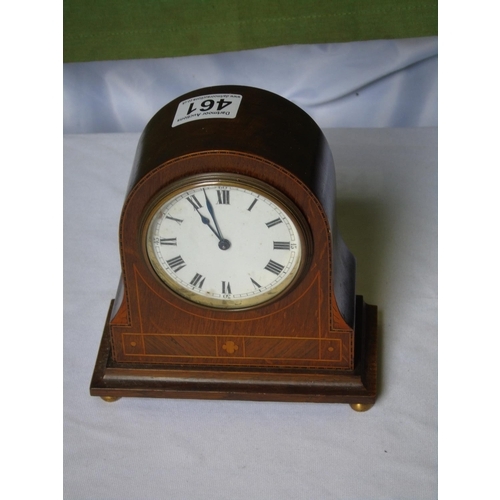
column 254, row 283
column 274, row 222
column 252, row 205
column 223, row 197
column 198, row 280
column 281, row 245
column 176, row 263
column 168, row 241
column 179, row 221
column 226, row 287
column 274, row 267
column 194, row 201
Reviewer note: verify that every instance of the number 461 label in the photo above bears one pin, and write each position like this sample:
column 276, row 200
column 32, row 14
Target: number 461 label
column 207, row 106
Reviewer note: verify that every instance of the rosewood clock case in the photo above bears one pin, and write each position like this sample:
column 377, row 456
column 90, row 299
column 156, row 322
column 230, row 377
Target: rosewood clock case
column 316, row 342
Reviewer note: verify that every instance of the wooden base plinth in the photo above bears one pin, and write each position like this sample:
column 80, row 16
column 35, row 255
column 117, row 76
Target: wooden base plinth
column 358, row 388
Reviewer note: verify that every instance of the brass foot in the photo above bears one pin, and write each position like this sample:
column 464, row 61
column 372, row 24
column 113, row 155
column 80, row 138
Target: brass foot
column 360, row 407
column 110, row 399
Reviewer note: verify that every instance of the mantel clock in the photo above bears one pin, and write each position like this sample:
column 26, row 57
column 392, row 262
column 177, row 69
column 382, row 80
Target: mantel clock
column 236, row 283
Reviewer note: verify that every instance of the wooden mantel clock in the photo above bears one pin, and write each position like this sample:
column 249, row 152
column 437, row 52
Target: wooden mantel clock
column 235, row 281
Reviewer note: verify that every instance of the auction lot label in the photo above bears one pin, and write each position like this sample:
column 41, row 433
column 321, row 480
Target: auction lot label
column 207, row 106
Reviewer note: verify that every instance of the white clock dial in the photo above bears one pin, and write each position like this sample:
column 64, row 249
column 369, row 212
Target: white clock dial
column 226, row 243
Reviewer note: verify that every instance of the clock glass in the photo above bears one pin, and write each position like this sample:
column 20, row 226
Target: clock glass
column 225, row 241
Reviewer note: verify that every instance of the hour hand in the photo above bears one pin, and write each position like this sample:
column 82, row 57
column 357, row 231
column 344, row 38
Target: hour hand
column 206, row 221
column 197, row 205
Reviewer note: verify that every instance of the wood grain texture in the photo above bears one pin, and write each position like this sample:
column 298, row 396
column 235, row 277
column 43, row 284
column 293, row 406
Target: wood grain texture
column 309, row 311
column 358, row 386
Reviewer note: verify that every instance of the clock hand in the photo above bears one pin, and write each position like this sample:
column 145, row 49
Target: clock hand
column 223, row 243
column 206, row 221
column 212, row 213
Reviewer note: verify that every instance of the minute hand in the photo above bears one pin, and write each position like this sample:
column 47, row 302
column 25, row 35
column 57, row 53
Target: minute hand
column 223, row 243
column 212, row 213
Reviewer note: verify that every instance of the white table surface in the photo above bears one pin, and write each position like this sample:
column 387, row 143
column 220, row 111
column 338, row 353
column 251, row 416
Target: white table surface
column 152, row 449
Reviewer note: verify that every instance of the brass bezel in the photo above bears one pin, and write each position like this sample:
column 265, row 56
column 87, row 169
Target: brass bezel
column 234, row 180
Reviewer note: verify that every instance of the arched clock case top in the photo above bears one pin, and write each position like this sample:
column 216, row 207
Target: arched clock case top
column 235, row 282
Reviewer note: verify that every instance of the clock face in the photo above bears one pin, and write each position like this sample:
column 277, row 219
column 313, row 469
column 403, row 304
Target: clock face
column 225, row 241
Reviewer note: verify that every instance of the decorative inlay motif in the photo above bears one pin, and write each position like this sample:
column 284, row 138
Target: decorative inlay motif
column 230, row 347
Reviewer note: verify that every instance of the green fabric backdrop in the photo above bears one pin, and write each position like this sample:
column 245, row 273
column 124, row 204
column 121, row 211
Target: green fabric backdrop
column 136, row 29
